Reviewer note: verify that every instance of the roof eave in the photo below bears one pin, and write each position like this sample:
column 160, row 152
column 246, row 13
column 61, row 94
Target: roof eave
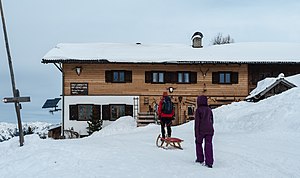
column 105, row 61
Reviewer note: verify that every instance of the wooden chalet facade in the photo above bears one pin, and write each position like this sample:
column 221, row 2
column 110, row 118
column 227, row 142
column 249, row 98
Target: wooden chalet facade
column 130, row 79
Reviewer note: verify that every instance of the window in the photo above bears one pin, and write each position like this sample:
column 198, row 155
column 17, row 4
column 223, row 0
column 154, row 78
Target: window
column 225, row 77
column 183, row 77
column 191, row 110
column 113, row 112
column 180, row 77
column 118, row 76
column 155, row 77
column 84, row 112
column 116, row 111
column 160, row 77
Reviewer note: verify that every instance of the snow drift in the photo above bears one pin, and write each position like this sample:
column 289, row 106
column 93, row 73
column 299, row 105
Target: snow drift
column 280, row 112
column 122, row 125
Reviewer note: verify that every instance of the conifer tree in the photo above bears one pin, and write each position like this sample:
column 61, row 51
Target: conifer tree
column 94, row 124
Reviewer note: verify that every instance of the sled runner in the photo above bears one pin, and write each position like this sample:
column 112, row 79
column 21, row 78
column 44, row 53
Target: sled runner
column 165, row 142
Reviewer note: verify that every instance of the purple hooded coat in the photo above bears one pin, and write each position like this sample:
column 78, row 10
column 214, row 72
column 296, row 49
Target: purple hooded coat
column 204, row 130
column 203, row 117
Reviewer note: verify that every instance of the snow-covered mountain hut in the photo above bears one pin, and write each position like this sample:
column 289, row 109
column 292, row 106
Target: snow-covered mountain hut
column 109, row 80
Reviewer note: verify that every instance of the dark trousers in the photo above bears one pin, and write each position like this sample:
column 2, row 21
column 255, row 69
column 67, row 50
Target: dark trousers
column 163, row 123
column 208, row 149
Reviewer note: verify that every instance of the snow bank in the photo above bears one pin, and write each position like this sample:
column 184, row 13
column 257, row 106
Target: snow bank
column 120, row 126
column 295, row 79
column 278, row 113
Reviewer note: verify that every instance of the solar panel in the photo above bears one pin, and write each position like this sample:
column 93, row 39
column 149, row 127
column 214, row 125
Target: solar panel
column 51, row 103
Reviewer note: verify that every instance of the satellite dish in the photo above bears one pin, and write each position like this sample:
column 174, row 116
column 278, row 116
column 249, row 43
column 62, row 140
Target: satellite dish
column 52, row 103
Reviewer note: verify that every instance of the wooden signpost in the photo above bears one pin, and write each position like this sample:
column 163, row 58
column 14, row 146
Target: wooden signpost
column 16, row 94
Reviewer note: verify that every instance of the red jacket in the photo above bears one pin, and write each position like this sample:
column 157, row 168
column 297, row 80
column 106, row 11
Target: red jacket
column 161, row 114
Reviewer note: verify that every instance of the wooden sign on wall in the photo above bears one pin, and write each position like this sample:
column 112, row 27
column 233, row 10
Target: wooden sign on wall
column 79, row 88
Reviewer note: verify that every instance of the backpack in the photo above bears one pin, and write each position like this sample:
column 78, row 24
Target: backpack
column 167, row 105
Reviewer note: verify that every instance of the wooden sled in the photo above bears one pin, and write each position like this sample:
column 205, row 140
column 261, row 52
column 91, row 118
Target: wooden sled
column 168, row 141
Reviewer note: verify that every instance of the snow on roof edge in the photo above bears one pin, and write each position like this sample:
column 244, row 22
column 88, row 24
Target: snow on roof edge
column 132, row 53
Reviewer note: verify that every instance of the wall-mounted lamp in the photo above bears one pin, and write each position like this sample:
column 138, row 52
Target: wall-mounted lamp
column 146, row 100
column 78, row 70
column 171, row 89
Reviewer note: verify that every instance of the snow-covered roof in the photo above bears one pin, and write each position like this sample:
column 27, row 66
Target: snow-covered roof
column 54, row 126
column 197, row 34
column 251, row 52
column 266, row 83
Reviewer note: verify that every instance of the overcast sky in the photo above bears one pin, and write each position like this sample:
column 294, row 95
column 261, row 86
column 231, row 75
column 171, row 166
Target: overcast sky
column 36, row 26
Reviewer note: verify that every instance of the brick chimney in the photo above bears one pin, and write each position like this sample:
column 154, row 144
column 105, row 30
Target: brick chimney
column 197, row 40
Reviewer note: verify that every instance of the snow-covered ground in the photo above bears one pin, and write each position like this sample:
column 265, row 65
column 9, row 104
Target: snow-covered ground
column 251, row 140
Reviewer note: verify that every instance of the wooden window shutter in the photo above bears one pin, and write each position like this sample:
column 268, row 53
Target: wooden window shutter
column 105, row 112
column 73, row 112
column 234, row 77
column 148, row 77
column 167, row 77
column 215, row 77
column 97, row 111
column 128, row 76
column 108, row 76
column 129, row 110
column 193, row 77
column 173, row 77
column 170, row 77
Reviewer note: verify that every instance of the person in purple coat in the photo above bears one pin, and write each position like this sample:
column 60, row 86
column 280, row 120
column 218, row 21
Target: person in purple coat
column 204, row 130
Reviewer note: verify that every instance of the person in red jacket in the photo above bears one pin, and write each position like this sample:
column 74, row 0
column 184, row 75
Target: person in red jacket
column 204, row 130
column 164, row 115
